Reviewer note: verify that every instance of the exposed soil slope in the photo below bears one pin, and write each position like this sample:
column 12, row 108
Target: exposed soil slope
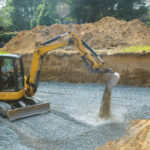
column 106, row 33
column 138, row 138
column 68, row 67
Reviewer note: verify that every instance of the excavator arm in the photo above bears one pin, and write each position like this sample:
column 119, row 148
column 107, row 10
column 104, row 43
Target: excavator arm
column 20, row 103
column 88, row 55
column 92, row 60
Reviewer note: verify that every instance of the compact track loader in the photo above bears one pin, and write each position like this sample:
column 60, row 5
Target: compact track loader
column 17, row 90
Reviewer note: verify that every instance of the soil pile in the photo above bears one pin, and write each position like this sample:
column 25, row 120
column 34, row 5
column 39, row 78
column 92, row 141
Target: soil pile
column 138, row 138
column 106, row 33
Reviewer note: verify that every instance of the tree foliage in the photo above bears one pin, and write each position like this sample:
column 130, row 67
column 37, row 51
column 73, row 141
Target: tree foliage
column 93, row 10
column 26, row 14
column 22, row 12
column 5, row 16
column 45, row 13
column 131, row 9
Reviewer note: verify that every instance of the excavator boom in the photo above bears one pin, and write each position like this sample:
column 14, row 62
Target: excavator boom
column 19, row 103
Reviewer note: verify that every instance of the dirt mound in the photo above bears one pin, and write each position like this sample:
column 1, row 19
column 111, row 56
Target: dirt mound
column 138, row 138
column 106, row 33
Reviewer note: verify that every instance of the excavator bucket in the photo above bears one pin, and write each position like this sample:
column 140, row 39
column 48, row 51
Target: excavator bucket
column 27, row 111
column 112, row 79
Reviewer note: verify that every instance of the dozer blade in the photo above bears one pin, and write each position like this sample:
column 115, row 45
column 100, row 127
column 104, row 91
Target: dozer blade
column 112, row 79
column 27, row 111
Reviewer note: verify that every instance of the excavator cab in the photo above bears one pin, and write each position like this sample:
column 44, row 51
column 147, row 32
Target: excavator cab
column 13, row 102
column 11, row 73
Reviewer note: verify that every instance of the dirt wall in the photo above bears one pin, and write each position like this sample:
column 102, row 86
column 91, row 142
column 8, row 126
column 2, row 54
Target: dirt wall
column 69, row 67
column 133, row 68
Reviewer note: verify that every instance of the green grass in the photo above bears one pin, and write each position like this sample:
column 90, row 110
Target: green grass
column 6, row 36
column 136, row 49
column 4, row 52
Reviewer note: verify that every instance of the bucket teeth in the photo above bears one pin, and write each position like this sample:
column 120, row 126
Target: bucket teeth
column 27, row 111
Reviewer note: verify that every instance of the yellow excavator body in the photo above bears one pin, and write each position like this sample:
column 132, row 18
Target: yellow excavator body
column 11, row 96
column 17, row 90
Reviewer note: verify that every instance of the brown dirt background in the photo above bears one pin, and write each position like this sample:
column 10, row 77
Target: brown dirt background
column 134, row 69
column 107, row 36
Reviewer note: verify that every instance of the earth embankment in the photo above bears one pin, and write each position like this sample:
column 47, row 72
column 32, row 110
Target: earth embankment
column 138, row 138
column 105, row 33
column 108, row 34
column 69, row 67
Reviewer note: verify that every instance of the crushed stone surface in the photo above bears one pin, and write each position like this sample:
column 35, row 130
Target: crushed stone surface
column 72, row 122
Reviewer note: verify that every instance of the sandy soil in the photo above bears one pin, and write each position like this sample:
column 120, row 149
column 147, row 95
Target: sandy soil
column 106, row 33
column 138, row 138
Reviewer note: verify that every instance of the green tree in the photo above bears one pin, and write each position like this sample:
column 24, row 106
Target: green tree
column 22, row 12
column 5, row 17
column 63, row 10
column 93, row 10
column 131, row 9
column 45, row 13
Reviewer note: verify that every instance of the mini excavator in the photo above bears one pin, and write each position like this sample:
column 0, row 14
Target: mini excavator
column 17, row 90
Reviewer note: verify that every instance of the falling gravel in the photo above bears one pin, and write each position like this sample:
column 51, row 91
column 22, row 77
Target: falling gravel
column 104, row 111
